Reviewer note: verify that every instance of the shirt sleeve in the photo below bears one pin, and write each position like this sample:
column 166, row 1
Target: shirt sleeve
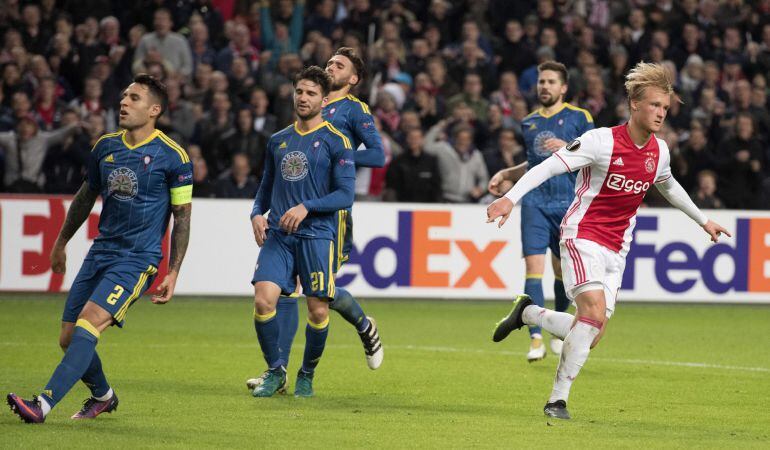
column 343, row 180
column 581, row 152
column 93, row 174
column 180, row 182
column 265, row 191
column 664, row 165
column 678, row 198
column 536, row 176
column 372, row 155
column 587, row 123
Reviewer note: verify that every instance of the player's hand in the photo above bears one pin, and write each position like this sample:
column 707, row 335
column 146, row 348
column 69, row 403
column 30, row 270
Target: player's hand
column 166, row 290
column 553, row 144
column 58, row 258
column 498, row 185
column 715, row 230
column 259, row 224
column 502, row 208
column 292, row 218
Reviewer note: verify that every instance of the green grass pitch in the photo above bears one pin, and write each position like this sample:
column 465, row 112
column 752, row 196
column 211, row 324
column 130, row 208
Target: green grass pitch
column 664, row 376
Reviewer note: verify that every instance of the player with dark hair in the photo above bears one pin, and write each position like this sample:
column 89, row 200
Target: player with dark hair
column 143, row 177
column 545, row 130
column 309, row 176
column 351, row 117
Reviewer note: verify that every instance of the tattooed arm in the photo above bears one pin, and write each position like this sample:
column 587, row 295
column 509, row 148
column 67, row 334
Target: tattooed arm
column 77, row 214
column 180, row 236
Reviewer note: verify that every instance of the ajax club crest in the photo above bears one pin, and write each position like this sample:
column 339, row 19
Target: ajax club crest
column 122, row 184
column 294, row 166
column 649, row 165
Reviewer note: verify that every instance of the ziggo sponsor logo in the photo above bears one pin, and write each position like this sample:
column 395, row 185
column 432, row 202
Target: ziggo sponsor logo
column 413, row 246
column 748, row 251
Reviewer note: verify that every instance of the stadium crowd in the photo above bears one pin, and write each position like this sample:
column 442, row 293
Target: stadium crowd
column 448, row 84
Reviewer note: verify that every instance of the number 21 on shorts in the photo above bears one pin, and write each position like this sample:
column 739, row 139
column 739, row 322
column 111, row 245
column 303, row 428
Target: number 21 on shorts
column 316, row 281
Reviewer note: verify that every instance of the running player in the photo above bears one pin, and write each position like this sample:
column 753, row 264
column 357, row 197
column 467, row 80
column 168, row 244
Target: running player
column 617, row 166
column 309, row 176
column 143, row 178
column 545, row 130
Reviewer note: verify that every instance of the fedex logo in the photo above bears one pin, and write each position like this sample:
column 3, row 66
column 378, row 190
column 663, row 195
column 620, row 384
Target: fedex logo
column 748, row 253
column 28, row 230
column 619, row 182
column 414, row 246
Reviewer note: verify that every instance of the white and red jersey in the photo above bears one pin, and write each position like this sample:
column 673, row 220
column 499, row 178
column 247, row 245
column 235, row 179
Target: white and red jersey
column 615, row 174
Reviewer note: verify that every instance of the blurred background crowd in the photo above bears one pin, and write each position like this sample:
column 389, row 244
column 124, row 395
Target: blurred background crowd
column 448, row 83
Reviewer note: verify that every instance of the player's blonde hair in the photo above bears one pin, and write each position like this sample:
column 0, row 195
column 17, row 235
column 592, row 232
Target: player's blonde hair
column 645, row 75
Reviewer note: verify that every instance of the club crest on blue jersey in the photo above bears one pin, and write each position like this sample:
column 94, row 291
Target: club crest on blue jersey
column 122, row 184
column 540, row 143
column 294, row 166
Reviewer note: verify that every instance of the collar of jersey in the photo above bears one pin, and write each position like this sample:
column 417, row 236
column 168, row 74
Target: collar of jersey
column 152, row 136
column 544, row 116
column 305, row 133
column 336, row 100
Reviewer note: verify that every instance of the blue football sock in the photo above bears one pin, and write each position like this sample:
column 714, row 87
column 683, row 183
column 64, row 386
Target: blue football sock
column 349, row 309
column 561, row 301
column 73, row 365
column 288, row 321
column 533, row 286
column 268, row 332
column 315, row 341
column 95, row 379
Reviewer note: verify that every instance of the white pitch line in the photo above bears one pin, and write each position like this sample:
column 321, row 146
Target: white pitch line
column 442, row 349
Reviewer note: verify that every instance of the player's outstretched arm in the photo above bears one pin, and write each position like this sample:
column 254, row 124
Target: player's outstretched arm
column 502, row 207
column 675, row 194
column 180, row 236
column 77, row 213
column 504, row 179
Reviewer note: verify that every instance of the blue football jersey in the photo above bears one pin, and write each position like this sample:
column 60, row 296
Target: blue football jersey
column 352, row 117
column 303, row 167
column 138, row 184
column 567, row 124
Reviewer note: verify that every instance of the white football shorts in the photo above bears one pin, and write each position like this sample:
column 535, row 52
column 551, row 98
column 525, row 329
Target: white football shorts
column 588, row 266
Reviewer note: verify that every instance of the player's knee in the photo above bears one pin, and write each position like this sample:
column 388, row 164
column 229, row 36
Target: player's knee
column 318, row 311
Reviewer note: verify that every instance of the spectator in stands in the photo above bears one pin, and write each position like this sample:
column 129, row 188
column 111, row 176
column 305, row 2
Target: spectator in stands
column 179, row 118
column 91, row 102
column 279, row 38
column 264, row 123
column 472, row 97
column 202, row 184
column 21, row 107
column 414, row 175
column 704, row 196
column 741, row 165
column 237, row 181
column 247, row 141
column 239, row 46
column 215, row 125
column 164, row 45
column 200, row 45
column 66, row 164
column 25, row 151
column 507, row 152
column 464, row 175
column 48, row 107
column 514, row 53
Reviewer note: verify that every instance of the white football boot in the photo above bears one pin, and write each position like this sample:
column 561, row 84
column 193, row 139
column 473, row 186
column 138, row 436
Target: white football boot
column 372, row 345
column 536, row 349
